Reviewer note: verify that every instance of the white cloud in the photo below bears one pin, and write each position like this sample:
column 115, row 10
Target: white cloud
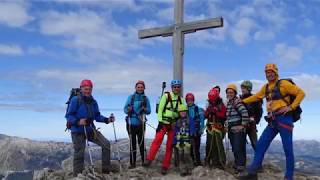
column 90, row 33
column 241, row 33
column 308, row 23
column 285, row 54
column 14, row 13
column 10, row 50
column 292, row 55
column 120, row 77
column 257, row 20
column 310, row 83
column 116, row 5
column 36, row 50
column 264, row 35
column 308, row 43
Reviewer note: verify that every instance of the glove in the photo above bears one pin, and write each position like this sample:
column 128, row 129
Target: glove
column 111, row 118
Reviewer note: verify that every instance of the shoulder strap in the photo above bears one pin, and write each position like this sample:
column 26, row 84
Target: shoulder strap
column 79, row 102
column 267, row 92
column 196, row 110
column 169, row 99
column 144, row 100
column 278, row 89
column 132, row 99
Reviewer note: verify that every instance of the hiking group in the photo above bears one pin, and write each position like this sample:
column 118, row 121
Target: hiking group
column 184, row 124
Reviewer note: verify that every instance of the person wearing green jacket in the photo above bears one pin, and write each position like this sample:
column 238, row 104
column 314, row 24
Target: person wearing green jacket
column 167, row 117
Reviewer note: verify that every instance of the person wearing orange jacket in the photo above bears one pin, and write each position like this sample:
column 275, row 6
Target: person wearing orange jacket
column 280, row 119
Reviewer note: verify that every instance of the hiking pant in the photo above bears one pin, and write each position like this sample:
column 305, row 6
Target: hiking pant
column 238, row 143
column 134, row 132
column 252, row 133
column 195, row 149
column 183, row 160
column 215, row 153
column 161, row 131
column 283, row 125
column 79, row 145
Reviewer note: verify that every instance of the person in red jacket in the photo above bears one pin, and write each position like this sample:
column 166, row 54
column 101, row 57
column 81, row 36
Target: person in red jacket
column 215, row 115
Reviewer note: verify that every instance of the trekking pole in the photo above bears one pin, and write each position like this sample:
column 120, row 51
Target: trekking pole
column 151, row 126
column 130, row 137
column 143, row 134
column 89, row 150
column 226, row 141
column 163, row 87
column 116, row 140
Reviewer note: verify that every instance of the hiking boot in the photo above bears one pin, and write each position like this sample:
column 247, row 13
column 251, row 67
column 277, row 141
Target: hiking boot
column 106, row 171
column 132, row 166
column 248, row 176
column 164, row 171
column 147, row 164
column 197, row 164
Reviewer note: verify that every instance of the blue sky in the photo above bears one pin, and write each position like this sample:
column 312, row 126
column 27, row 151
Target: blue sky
column 48, row 47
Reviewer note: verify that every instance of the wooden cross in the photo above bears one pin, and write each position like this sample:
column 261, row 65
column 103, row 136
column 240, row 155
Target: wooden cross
column 178, row 30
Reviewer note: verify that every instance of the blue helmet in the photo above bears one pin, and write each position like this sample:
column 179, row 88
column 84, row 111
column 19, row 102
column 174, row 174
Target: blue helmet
column 176, row 83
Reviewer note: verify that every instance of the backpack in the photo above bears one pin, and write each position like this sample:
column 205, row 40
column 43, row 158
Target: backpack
column 73, row 92
column 276, row 95
column 256, row 107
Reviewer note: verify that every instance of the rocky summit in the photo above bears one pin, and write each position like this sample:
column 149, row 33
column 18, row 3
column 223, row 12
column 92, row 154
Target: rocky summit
column 24, row 159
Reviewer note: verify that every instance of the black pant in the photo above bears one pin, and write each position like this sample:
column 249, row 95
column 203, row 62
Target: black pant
column 79, row 145
column 252, row 133
column 134, row 132
column 195, row 149
column 238, row 143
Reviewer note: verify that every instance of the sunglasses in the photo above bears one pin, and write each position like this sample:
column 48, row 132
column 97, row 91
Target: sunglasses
column 176, row 87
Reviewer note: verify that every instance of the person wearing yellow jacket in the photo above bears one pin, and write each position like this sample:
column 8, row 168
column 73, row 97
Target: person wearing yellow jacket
column 167, row 117
column 280, row 119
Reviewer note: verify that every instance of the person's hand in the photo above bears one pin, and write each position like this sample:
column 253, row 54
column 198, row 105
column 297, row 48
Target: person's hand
column 285, row 110
column 82, row 122
column 252, row 119
column 144, row 109
column 112, row 118
column 129, row 109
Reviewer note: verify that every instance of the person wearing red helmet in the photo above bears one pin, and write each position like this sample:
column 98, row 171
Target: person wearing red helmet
column 82, row 111
column 215, row 115
column 197, row 117
column 136, row 107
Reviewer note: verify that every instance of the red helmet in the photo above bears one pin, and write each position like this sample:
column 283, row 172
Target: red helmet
column 190, row 96
column 213, row 94
column 140, row 82
column 86, row 82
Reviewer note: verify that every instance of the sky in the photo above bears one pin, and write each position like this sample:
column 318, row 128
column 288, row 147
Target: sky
column 48, row 47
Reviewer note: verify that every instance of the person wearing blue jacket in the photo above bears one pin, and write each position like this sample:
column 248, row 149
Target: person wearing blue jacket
column 136, row 108
column 197, row 118
column 82, row 111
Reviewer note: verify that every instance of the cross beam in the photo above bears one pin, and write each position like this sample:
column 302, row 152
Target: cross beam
column 178, row 30
column 186, row 28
